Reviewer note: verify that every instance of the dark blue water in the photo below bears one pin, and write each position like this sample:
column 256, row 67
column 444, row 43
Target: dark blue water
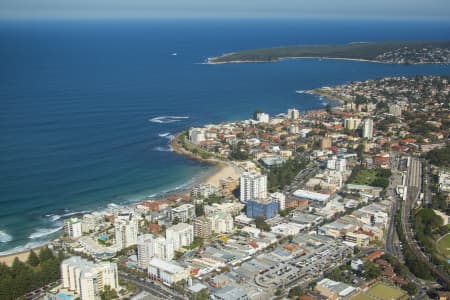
column 76, row 100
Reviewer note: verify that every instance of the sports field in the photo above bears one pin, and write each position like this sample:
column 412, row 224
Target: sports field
column 381, row 291
column 444, row 246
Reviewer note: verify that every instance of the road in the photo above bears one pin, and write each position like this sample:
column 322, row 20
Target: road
column 155, row 289
column 390, row 246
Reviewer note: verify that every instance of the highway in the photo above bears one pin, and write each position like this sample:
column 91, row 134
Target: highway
column 414, row 180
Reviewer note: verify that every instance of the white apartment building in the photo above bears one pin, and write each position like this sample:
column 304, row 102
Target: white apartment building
column 181, row 234
column 280, row 198
column 253, row 187
column 167, row 272
column 233, row 208
column 88, row 279
column 395, row 110
column 150, row 246
column 197, row 135
column 221, row 222
column 202, row 191
column 352, row 123
column 126, row 230
column 338, row 164
column 367, row 130
column 263, row 117
column 184, row 212
column 72, row 227
column 293, row 114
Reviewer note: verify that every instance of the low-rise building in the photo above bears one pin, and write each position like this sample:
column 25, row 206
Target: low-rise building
column 183, row 213
column 166, row 272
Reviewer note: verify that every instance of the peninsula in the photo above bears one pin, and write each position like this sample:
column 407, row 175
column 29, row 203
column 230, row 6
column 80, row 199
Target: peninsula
column 406, row 52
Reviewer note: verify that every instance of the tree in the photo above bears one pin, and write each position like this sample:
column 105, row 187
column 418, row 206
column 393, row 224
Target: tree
column 108, row 293
column 328, row 108
column 371, row 271
column 45, row 254
column 261, row 224
column 295, row 292
column 33, row 259
column 410, row 288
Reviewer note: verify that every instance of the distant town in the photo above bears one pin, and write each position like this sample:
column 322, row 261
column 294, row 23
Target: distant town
column 347, row 202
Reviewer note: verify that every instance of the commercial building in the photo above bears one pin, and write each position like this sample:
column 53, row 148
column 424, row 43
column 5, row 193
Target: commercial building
column 253, row 187
column 335, row 290
column 202, row 227
column 72, row 227
column 352, row 123
column 229, row 293
column 126, row 230
column 261, row 209
column 88, row 279
column 166, row 272
column 360, row 240
column 367, row 130
column 181, row 234
column 183, row 213
column 293, row 114
column 150, row 246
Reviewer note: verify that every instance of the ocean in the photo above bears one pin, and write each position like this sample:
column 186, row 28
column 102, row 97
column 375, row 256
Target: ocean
column 88, row 107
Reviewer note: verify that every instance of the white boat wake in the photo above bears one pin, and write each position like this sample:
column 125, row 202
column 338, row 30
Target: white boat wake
column 167, row 119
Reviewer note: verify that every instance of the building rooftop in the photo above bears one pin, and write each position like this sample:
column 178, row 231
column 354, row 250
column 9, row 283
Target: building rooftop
column 311, row 195
column 165, row 266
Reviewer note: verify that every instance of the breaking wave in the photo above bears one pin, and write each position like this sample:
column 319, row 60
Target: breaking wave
column 40, row 232
column 4, row 237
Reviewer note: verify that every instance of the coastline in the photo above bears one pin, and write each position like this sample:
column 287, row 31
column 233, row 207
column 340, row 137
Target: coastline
column 8, row 259
column 279, row 59
column 223, row 169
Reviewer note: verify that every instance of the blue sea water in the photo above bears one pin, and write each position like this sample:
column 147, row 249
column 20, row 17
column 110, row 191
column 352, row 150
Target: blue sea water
column 81, row 102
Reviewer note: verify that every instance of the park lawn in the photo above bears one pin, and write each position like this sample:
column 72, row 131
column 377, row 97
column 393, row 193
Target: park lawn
column 444, row 246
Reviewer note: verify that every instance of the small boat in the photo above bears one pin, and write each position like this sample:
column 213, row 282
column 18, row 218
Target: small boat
column 174, row 54
column 300, row 92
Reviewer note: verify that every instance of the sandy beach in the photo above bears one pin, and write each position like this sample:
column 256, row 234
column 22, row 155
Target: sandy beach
column 23, row 255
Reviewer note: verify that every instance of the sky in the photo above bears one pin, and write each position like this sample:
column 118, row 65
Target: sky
column 222, row 8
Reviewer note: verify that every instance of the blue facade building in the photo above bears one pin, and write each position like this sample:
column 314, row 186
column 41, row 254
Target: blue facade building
column 265, row 210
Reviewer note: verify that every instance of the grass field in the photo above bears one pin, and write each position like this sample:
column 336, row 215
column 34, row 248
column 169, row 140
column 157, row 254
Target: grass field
column 444, row 246
column 374, row 177
column 381, row 291
column 365, row 177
